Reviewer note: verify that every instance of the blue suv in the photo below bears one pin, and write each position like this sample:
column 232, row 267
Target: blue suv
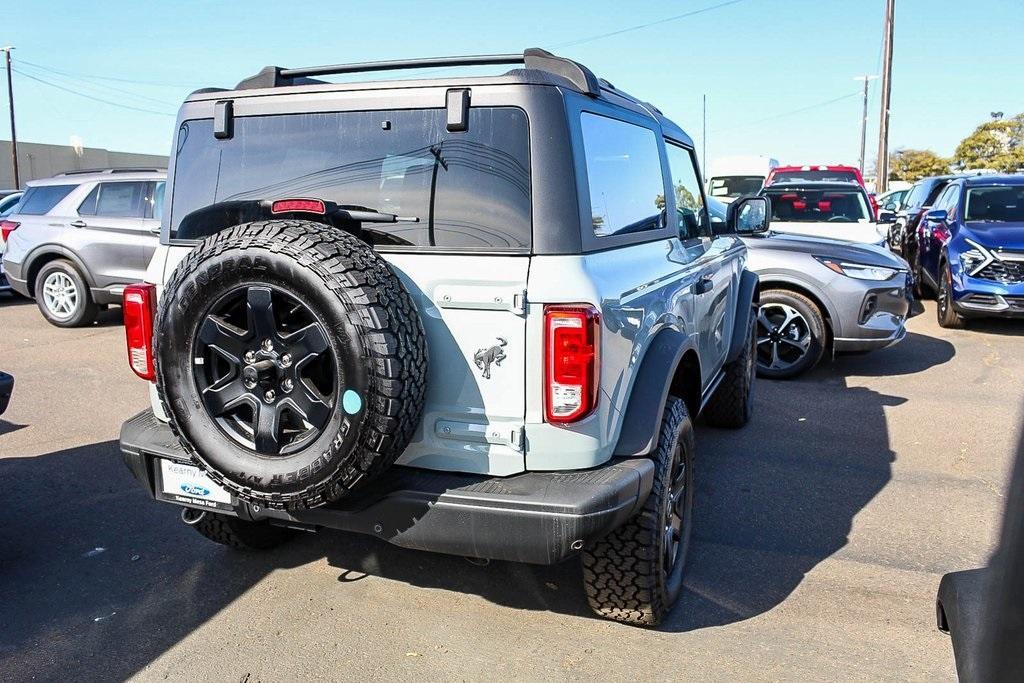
column 972, row 249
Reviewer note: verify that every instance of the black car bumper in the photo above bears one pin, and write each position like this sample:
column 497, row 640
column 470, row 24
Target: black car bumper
column 535, row 517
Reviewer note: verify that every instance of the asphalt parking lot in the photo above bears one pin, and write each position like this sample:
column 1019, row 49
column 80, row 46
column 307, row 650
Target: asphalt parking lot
column 822, row 530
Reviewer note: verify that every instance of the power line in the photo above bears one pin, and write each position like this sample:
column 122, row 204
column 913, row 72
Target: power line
column 791, row 112
column 638, row 27
column 98, row 86
column 91, row 97
column 159, row 84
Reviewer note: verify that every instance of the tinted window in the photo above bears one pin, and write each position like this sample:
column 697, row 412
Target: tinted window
column 155, row 200
column 121, row 200
column 627, row 189
column 934, row 192
column 995, row 204
column 469, row 190
column 40, row 199
column 88, row 207
column 691, row 217
column 818, row 205
column 736, row 185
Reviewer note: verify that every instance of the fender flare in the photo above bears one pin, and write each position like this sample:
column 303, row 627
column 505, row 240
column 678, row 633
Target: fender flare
column 749, row 293
column 642, row 417
column 61, row 251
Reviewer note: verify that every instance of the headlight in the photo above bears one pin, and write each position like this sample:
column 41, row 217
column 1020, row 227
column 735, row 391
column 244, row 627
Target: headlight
column 858, row 271
column 975, row 260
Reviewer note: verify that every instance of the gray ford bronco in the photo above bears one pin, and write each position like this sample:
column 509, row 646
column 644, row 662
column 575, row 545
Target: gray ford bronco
column 468, row 315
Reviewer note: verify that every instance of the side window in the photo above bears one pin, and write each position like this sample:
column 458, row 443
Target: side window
column 952, row 200
column 627, row 189
column 155, row 200
column 691, row 216
column 121, row 200
column 942, row 200
column 88, row 207
column 40, row 199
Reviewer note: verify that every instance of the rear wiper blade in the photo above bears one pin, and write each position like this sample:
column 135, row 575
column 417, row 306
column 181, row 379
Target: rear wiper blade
column 362, row 214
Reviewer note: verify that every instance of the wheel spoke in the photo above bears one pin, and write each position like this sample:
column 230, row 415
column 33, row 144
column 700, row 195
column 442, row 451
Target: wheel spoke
column 309, row 341
column 802, row 344
column 220, row 337
column 225, row 395
column 762, row 319
column 312, row 408
column 267, row 426
column 776, row 361
column 791, row 315
column 261, row 313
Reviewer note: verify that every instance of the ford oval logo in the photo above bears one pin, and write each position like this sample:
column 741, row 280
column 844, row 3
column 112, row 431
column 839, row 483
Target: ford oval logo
column 195, row 490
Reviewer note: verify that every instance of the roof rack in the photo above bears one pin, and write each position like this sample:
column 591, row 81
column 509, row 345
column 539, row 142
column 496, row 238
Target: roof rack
column 533, row 58
column 120, row 169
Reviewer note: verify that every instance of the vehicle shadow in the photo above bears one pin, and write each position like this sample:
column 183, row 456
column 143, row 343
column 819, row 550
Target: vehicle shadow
column 779, row 497
column 1011, row 327
column 96, row 579
column 916, row 353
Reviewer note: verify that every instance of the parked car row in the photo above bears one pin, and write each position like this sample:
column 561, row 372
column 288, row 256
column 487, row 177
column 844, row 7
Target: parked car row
column 525, row 366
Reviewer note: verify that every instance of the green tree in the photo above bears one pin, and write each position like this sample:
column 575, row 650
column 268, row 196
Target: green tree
column 997, row 144
column 913, row 164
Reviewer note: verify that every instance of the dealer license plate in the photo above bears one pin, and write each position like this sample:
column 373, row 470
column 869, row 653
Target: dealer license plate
column 188, row 484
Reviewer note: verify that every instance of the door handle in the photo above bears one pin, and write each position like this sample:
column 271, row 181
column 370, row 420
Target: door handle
column 78, row 224
column 704, row 285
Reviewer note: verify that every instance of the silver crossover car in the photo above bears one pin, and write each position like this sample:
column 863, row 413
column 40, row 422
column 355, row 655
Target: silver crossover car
column 75, row 240
column 819, row 294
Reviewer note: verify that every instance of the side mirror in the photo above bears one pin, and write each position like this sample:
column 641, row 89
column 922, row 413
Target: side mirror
column 936, row 216
column 886, row 216
column 748, row 215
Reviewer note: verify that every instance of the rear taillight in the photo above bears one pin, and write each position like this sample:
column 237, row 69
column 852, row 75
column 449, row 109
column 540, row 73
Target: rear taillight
column 570, row 362
column 139, row 305
column 6, row 228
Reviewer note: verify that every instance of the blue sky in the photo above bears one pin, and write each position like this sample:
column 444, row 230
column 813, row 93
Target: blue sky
column 778, row 73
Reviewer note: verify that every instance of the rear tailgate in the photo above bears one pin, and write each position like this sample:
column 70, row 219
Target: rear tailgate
column 473, row 309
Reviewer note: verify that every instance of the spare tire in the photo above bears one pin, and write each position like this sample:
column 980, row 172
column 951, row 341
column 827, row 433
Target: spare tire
column 291, row 361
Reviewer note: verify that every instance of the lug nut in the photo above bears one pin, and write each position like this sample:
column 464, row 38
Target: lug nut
column 250, row 357
column 249, row 383
column 286, row 360
column 269, row 396
column 268, row 345
column 287, row 385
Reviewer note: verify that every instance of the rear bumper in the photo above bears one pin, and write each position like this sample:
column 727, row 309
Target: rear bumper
column 535, row 517
column 12, row 273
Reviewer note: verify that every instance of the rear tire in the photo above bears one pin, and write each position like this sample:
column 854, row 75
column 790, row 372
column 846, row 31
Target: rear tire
column 62, row 295
column 240, row 534
column 628, row 576
column 732, row 404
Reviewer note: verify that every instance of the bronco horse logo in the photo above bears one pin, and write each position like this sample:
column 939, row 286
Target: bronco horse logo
column 485, row 357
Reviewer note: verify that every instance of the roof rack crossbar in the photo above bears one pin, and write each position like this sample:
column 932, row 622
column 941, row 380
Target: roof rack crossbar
column 533, row 58
column 115, row 169
column 397, row 64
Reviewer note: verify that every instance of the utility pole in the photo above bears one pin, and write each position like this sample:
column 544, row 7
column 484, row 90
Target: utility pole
column 704, row 136
column 882, row 180
column 10, row 100
column 864, row 118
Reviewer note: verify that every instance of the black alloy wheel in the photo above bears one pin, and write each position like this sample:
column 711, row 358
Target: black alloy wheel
column 265, row 370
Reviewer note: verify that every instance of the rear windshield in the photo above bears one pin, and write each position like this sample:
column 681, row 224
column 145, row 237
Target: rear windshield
column 820, row 176
column 736, row 185
column 818, row 205
column 994, row 205
column 40, row 199
column 470, row 190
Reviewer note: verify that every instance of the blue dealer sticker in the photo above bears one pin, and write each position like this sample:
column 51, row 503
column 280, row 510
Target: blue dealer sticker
column 351, row 402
